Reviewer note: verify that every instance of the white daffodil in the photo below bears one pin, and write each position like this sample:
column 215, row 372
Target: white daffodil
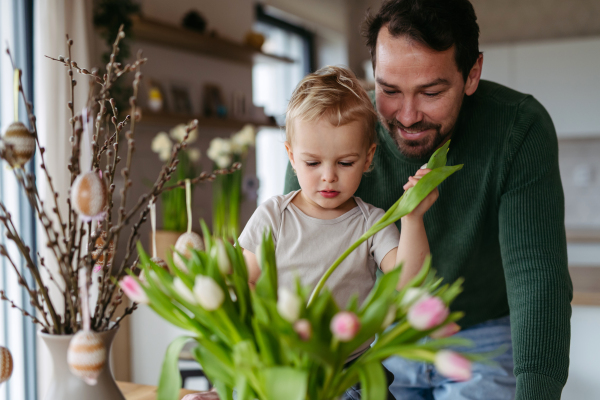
column 178, row 133
column 162, row 145
column 220, row 152
column 245, row 138
column 209, row 294
column 223, row 161
column 194, row 155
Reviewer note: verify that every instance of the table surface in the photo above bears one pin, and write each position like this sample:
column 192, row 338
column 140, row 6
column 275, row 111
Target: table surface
column 133, row 391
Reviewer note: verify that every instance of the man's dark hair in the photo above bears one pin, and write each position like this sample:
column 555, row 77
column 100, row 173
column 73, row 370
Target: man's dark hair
column 438, row 24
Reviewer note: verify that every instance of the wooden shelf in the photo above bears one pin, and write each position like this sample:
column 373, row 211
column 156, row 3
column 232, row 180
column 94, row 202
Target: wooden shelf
column 172, row 119
column 586, row 285
column 583, row 235
column 184, row 39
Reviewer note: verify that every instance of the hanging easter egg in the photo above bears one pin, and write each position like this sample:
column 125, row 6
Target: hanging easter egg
column 89, row 196
column 186, row 242
column 155, row 99
column 6, row 364
column 160, row 262
column 22, row 144
column 98, row 254
column 86, row 356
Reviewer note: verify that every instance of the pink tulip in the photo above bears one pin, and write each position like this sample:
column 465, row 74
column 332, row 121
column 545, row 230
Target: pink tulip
column 452, row 365
column 344, row 326
column 427, row 313
column 303, row 329
column 445, row 331
column 133, row 290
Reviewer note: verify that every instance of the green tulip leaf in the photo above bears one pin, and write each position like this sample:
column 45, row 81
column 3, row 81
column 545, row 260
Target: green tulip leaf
column 285, row 383
column 170, row 378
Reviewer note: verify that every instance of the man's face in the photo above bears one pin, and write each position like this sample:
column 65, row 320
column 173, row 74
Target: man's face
column 419, row 92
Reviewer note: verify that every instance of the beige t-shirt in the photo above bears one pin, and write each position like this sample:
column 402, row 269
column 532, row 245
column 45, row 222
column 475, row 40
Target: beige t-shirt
column 307, row 246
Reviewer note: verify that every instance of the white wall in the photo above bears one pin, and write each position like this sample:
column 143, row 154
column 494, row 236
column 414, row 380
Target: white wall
column 564, row 75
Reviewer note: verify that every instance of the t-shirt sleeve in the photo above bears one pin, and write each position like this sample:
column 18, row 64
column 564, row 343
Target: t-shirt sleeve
column 266, row 217
column 385, row 240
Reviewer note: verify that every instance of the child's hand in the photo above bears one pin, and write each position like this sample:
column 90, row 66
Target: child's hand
column 427, row 201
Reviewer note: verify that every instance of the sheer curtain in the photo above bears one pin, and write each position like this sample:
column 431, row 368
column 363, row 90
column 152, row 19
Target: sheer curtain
column 53, row 20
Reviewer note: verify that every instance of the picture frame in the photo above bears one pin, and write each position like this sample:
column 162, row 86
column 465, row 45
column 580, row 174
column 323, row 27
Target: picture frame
column 181, row 100
column 212, row 99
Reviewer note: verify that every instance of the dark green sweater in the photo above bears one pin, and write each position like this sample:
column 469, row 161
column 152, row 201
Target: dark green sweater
column 499, row 223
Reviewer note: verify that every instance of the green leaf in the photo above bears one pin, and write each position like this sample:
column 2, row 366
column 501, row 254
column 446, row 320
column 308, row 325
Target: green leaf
column 373, row 382
column 266, row 285
column 438, row 159
column 218, row 368
column 225, row 392
column 285, row 383
column 170, row 378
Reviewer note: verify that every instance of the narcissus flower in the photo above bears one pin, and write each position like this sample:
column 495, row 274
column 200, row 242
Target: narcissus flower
column 133, row 290
column 209, row 294
column 452, row 365
column 427, row 313
column 288, row 305
column 344, row 326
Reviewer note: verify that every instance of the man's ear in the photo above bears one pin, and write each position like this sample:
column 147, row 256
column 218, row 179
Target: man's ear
column 290, row 153
column 370, row 155
column 474, row 76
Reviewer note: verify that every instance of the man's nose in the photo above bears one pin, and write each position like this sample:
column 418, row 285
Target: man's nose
column 408, row 113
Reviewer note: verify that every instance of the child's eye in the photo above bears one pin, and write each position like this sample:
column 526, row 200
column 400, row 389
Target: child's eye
column 312, row 163
column 346, row 164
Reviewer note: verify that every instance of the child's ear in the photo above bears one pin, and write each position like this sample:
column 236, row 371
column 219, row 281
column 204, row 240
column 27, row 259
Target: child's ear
column 370, row 155
column 290, row 153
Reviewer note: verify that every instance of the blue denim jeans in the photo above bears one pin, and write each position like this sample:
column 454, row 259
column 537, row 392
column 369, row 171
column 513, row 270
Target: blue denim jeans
column 421, row 381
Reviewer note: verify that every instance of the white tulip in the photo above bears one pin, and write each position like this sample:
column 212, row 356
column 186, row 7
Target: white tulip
column 288, row 305
column 413, row 295
column 184, row 291
column 220, row 252
column 209, row 294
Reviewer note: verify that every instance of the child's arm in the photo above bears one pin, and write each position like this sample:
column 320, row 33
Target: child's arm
column 253, row 267
column 413, row 246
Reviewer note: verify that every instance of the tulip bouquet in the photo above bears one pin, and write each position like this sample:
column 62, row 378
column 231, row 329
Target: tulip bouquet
column 274, row 343
column 227, row 189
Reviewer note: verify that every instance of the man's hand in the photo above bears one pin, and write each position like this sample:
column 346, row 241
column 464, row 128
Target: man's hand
column 211, row 395
column 427, row 201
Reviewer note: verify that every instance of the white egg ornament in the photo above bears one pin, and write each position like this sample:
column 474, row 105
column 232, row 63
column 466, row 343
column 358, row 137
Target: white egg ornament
column 89, row 195
column 186, row 242
column 22, row 144
column 160, row 262
column 6, row 364
column 86, row 356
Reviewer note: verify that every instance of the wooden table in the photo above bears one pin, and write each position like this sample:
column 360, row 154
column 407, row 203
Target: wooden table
column 133, row 391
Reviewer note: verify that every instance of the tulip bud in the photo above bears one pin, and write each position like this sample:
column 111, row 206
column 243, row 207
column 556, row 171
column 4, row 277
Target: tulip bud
column 452, row 365
column 133, row 290
column 389, row 317
column 412, row 295
column 344, row 326
column 303, row 329
column 209, row 294
column 184, row 291
column 445, row 331
column 427, row 313
column 288, row 305
column 220, row 252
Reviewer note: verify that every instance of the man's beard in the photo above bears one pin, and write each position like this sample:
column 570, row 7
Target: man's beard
column 416, row 148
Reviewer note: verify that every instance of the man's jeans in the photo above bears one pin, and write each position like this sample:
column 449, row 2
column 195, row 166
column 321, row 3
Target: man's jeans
column 421, row 381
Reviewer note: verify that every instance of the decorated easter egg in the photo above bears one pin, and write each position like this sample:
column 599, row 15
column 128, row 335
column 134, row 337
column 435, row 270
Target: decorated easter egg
column 89, row 195
column 186, row 242
column 86, row 356
column 6, row 364
column 22, row 144
column 98, row 254
column 160, row 262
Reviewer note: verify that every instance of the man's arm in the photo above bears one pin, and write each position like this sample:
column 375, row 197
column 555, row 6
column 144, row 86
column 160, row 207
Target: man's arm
column 533, row 245
column 291, row 180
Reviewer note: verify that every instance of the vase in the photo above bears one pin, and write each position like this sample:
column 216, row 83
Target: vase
column 64, row 385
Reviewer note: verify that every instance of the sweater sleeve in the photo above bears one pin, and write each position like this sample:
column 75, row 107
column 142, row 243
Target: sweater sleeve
column 534, row 254
column 291, row 180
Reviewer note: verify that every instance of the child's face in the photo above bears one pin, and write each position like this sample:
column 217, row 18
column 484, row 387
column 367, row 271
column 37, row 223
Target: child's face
column 329, row 160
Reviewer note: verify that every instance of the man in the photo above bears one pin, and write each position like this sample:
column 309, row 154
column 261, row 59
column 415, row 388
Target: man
column 499, row 222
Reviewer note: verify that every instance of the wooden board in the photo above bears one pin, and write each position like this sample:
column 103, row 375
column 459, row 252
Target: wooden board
column 133, row 391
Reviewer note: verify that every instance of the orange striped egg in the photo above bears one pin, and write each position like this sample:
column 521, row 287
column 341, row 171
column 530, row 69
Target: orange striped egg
column 89, row 195
column 186, row 242
column 86, row 356
column 6, row 364
column 22, row 142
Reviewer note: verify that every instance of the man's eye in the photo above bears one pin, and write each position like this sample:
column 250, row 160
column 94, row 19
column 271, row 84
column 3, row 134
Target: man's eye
column 346, row 164
column 432, row 94
column 388, row 91
column 312, row 163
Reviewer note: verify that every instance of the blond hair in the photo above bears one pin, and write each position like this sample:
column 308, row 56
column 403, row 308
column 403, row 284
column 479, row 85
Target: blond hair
column 333, row 93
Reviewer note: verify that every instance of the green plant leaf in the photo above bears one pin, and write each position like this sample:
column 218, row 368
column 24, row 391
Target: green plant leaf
column 438, row 159
column 285, row 383
column 266, row 285
column 170, row 378
column 373, row 382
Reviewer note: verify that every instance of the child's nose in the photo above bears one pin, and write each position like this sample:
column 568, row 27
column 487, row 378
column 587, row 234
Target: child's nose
column 329, row 175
